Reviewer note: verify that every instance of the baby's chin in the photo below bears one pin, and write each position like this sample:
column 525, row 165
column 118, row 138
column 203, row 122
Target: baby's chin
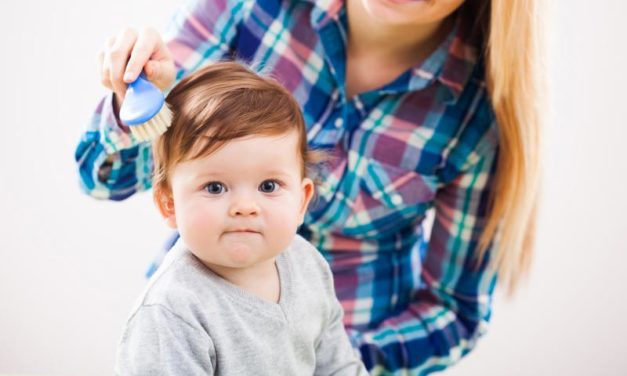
column 239, row 250
column 241, row 253
column 235, row 256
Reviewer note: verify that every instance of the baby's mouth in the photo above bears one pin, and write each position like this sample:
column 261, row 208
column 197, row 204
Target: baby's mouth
column 243, row 231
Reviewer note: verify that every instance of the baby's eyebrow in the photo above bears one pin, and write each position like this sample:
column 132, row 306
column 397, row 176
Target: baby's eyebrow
column 208, row 174
column 265, row 174
column 275, row 173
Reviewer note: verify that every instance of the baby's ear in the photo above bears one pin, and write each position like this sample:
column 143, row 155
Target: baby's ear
column 307, row 187
column 165, row 203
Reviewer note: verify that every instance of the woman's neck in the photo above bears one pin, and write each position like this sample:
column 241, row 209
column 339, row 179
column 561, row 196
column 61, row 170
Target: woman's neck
column 401, row 44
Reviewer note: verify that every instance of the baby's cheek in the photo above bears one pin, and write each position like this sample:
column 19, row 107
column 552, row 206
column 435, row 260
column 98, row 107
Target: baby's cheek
column 285, row 220
column 199, row 226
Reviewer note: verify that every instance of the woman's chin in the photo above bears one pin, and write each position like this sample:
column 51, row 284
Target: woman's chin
column 395, row 11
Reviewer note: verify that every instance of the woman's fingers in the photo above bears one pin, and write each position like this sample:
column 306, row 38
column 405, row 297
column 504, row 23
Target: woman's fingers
column 160, row 68
column 146, row 46
column 105, row 69
column 118, row 57
column 130, row 52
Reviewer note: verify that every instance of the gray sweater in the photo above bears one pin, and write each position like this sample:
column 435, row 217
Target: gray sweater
column 189, row 321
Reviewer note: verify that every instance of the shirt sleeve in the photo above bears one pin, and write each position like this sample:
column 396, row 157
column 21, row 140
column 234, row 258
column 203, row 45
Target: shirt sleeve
column 451, row 308
column 157, row 342
column 112, row 164
column 335, row 355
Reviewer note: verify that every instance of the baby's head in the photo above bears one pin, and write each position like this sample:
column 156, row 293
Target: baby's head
column 230, row 172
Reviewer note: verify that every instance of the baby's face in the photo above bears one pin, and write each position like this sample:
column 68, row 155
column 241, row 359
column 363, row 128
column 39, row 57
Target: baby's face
column 242, row 204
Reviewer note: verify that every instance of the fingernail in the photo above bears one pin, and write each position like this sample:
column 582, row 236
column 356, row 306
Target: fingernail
column 128, row 76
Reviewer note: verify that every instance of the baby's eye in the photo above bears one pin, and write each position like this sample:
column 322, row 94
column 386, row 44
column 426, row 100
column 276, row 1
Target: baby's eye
column 269, row 186
column 215, row 188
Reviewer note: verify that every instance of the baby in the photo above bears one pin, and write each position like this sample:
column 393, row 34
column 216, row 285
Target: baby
column 240, row 293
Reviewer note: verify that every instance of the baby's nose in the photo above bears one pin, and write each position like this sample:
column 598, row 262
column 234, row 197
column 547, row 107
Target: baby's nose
column 244, row 206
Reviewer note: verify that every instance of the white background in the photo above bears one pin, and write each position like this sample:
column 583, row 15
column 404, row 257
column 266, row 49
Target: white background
column 71, row 266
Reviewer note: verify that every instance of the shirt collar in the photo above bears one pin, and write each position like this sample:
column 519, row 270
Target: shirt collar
column 459, row 62
column 324, row 11
column 451, row 64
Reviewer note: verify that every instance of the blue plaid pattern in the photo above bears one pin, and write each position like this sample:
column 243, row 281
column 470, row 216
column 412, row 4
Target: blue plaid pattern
column 415, row 298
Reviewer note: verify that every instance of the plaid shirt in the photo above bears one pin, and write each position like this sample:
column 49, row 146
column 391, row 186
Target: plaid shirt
column 415, row 299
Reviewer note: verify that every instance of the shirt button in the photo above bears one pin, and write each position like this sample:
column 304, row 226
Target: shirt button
column 339, row 122
column 397, row 200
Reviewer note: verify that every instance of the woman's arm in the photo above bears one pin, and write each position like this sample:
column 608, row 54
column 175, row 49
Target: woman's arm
column 112, row 164
column 451, row 308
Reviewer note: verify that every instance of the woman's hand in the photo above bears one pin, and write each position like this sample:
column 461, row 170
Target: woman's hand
column 125, row 55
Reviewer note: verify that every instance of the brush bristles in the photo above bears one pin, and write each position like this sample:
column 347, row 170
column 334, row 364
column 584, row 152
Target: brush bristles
column 154, row 127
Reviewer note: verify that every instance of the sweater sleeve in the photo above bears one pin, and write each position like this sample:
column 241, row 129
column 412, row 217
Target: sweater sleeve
column 112, row 164
column 334, row 352
column 158, row 342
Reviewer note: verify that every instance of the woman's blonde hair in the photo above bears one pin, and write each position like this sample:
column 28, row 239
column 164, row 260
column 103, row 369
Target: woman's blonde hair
column 512, row 33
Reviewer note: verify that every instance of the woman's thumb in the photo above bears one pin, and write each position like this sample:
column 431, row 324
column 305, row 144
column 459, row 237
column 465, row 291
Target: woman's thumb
column 152, row 70
column 161, row 73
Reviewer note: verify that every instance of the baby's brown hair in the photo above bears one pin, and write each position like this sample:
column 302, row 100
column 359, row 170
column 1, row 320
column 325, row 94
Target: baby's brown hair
column 220, row 103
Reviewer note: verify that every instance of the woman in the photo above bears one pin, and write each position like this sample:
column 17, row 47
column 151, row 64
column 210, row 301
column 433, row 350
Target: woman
column 424, row 104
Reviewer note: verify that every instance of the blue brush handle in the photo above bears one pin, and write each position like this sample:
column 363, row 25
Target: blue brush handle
column 142, row 101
